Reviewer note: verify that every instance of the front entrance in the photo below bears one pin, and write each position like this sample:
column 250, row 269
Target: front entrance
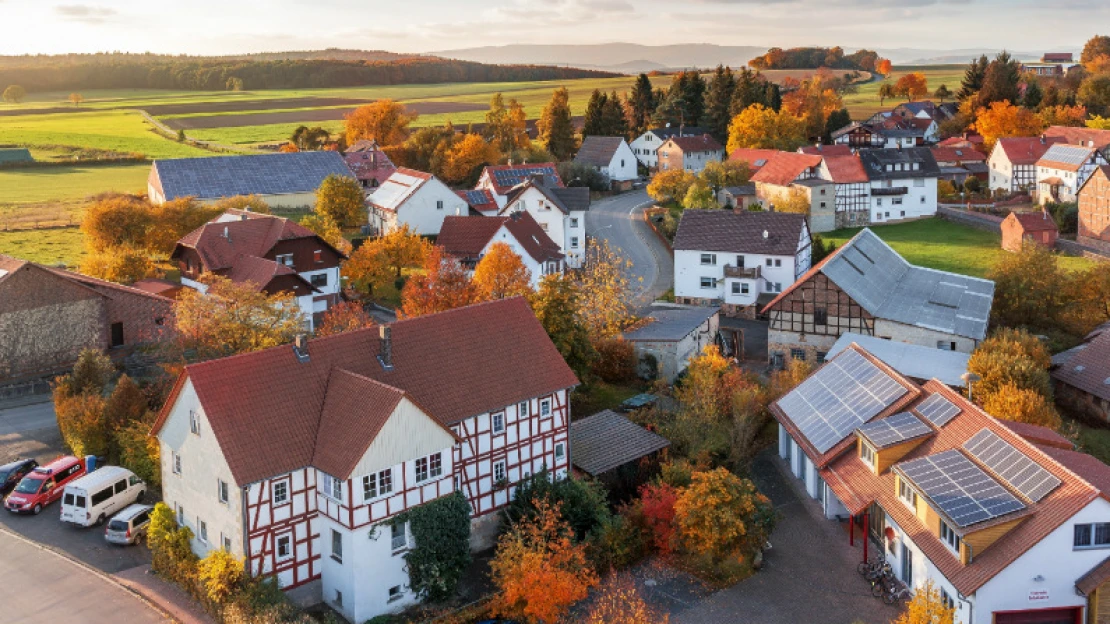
column 1070, row 615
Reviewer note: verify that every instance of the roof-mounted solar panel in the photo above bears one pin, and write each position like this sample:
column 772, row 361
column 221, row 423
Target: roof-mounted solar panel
column 938, row 410
column 1023, row 474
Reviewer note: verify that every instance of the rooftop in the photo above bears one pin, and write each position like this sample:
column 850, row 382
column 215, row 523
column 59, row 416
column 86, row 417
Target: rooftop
column 598, row 151
column 608, row 440
column 671, row 323
column 913, row 361
column 255, row 174
column 769, row 233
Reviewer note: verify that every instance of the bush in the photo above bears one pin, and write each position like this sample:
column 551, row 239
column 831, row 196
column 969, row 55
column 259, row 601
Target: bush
column 1010, row 402
column 220, row 575
column 82, row 422
column 139, row 451
column 618, row 542
column 616, row 361
column 583, row 503
column 1066, row 216
column 577, row 174
column 172, row 557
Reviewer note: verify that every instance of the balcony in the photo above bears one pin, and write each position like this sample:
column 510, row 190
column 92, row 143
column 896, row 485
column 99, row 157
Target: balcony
column 743, row 273
column 880, row 191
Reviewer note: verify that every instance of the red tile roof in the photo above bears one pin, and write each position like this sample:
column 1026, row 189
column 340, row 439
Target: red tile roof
column 1042, row 436
column 1089, row 368
column 1034, row 221
column 703, row 143
column 466, row 237
column 355, row 410
column 970, row 140
column 755, row 158
column 846, row 169
column 258, row 271
column 1026, row 150
column 265, row 407
column 1080, row 136
column 1094, row 579
column 220, row 243
column 785, row 167
column 958, row 154
column 369, row 162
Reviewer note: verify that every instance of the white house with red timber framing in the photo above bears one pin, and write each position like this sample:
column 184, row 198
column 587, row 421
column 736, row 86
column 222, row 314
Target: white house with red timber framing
column 295, row 456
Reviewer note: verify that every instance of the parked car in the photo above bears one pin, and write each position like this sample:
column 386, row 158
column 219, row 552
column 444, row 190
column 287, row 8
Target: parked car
column 90, row 500
column 10, row 474
column 44, row 485
column 128, row 526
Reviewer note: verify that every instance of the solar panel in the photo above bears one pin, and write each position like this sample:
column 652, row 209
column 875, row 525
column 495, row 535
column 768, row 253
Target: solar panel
column 895, row 429
column 516, row 175
column 1023, row 474
column 938, row 410
column 961, row 490
column 842, row 395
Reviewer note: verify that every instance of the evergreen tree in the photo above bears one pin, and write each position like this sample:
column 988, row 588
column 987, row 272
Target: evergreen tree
column 641, row 105
column 837, row 120
column 593, row 124
column 973, row 78
column 719, row 103
column 612, row 116
column 1001, row 80
column 747, row 90
column 694, row 94
column 1033, row 95
column 556, row 131
column 772, row 96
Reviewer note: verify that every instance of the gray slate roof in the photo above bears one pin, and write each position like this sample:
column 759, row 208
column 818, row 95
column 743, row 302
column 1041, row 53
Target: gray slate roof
column 607, row 440
column 572, row 197
column 671, row 323
column 255, row 174
column 875, row 162
column 666, row 133
column 740, row 191
column 740, row 232
column 598, row 151
column 889, row 287
column 910, row 360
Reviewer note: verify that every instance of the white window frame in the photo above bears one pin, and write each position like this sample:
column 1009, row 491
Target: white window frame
column 284, row 488
column 503, row 468
column 523, row 409
column 560, row 450
column 867, row 453
column 288, row 538
column 396, row 593
column 545, row 408
column 194, row 423
column 708, row 259
column 497, row 422
column 708, row 282
column 907, row 494
column 284, row 259
column 202, row 531
column 337, row 553
column 221, row 491
column 175, row 458
column 950, row 538
column 380, row 482
column 403, row 537
column 330, row 483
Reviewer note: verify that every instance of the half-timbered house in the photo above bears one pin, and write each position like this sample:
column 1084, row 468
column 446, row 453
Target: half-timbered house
column 852, row 189
column 296, row 457
column 1063, row 170
column 1013, row 162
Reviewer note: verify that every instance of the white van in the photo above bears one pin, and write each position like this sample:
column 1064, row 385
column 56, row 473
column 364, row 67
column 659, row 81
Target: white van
column 97, row 495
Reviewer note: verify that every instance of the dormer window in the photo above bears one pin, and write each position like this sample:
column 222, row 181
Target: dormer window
column 949, row 537
column 284, row 259
column 867, row 454
column 906, row 493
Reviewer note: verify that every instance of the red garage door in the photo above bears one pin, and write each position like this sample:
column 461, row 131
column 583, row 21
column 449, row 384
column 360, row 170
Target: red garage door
column 1040, row 616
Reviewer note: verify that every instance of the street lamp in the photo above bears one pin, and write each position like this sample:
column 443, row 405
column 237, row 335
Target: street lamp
column 970, row 378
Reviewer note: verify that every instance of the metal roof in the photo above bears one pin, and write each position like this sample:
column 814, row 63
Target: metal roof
column 1062, row 154
column 608, row 440
column 255, row 174
column 910, row 360
column 671, row 323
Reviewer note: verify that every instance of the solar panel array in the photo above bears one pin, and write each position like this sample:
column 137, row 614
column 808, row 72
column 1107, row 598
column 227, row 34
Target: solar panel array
column 938, row 410
column 842, row 395
column 252, row 174
column 961, row 490
column 477, row 198
column 895, row 429
column 1023, row 474
column 516, row 175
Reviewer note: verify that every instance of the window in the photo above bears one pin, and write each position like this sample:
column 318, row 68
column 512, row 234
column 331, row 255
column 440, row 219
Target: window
column 194, row 422
column 821, row 355
column 903, row 213
column 398, row 537
column 739, row 262
column 574, row 242
column 422, row 469
column 284, row 259
column 318, row 256
column 778, row 286
column 949, row 537
column 221, row 490
column 439, row 204
column 499, row 471
column 736, row 288
column 778, row 262
column 117, row 334
column 545, row 408
column 867, row 454
column 1096, row 535
column 333, row 487
column 281, row 492
column 522, row 410
column 947, row 600
column 574, row 222
column 708, row 282
column 100, row 497
column 336, row 546
column 376, row 485
column 768, row 262
column 798, row 354
column 176, row 464
column 918, row 181
column 498, row 422
column 709, row 259
column 923, row 199
column 822, row 203
column 906, row 493
column 743, row 289
column 560, row 450
column 284, row 547
column 203, row 530
column 180, row 515
column 436, row 462
column 396, row 593
column 319, row 280
column 946, row 345
column 821, row 316
column 226, row 541
column 897, row 201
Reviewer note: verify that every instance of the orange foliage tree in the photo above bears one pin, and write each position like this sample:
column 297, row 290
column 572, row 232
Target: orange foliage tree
column 384, row 121
column 913, row 86
column 1063, row 115
column 618, row 601
column 657, row 500
column 381, row 260
column 343, row 317
column 539, row 569
column 883, row 67
column 466, row 158
column 501, row 274
column 443, row 286
column 720, row 516
column 1002, row 120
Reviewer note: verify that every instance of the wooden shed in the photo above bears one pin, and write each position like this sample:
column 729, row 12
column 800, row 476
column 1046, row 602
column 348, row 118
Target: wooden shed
column 1037, row 227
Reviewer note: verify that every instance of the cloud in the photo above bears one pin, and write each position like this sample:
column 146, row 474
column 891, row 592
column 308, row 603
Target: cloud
column 85, row 13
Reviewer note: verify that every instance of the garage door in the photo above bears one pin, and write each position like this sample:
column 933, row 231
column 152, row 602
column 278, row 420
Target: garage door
column 1040, row 616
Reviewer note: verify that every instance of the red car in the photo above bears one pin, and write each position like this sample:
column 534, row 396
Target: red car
column 44, row 485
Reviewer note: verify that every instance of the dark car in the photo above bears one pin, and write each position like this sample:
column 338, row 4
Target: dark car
column 10, row 474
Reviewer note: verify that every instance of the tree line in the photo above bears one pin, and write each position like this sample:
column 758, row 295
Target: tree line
column 812, row 58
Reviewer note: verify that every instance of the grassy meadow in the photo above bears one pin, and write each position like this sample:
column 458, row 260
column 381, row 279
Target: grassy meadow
column 866, row 102
column 48, row 246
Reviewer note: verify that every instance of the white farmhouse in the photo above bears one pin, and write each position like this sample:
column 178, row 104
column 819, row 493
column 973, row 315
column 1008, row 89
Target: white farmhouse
column 413, row 198
column 468, row 240
column 609, row 156
column 560, row 212
column 297, row 458
column 1013, row 162
column 500, row 180
column 738, row 259
column 1063, row 170
column 646, row 145
column 1004, row 519
column 903, row 183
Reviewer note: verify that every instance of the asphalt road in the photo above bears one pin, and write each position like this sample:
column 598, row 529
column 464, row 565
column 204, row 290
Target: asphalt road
column 620, row 221
column 41, row 586
column 39, row 415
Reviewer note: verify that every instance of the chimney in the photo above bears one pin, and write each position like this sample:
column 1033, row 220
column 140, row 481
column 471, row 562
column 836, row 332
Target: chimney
column 300, row 347
column 1042, row 139
column 385, row 349
column 227, row 234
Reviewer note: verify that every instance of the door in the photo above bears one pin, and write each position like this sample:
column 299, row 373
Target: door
column 117, row 334
column 907, row 565
column 1071, row 615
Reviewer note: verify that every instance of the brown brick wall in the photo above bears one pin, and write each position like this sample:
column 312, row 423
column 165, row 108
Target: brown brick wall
column 1094, row 208
column 145, row 319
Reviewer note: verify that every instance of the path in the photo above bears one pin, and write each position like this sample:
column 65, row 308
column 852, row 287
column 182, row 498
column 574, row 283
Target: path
column 620, row 221
column 35, row 414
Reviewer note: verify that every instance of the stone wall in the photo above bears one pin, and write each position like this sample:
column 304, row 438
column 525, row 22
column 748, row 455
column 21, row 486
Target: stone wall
column 50, row 336
column 976, row 220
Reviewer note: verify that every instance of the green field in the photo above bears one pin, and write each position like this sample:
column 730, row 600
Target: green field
column 866, row 102
column 946, row 246
column 122, row 131
column 48, row 246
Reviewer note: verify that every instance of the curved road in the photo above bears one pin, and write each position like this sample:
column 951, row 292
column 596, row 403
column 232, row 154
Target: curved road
column 620, row 221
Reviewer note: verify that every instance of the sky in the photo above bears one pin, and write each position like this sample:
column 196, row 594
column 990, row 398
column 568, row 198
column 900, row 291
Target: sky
column 207, row 27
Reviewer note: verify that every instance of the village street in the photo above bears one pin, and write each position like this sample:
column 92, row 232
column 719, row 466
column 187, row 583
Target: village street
column 620, row 221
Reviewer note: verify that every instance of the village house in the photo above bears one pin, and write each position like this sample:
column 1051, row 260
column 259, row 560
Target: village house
column 903, row 183
column 416, row 199
column 1086, row 137
column 738, row 260
column 560, row 212
column 851, row 190
column 1013, row 162
column 1082, row 375
column 500, row 180
column 270, row 254
column 482, row 203
column 281, row 180
column 1053, row 64
column 1063, row 169
column 645, row 146
column 754, row 158
column 611, row 157
column 792, row 177
column 1005, row 520
column 691, row 153
column 468, row 240
column 1094, row 210
column 737, row 197
column 670, row 335
column 370, row 164
column 959, row 163
column 49, row 315
column 926, row 109
column 898, row 134
column 917, row 362
column 299, row 466
column 865, row 287
column 1019, row 228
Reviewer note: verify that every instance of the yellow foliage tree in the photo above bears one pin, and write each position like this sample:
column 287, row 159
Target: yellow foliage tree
column 671, row 185
column 795, row 201
column 342, row 199
column 1009, row 402
column 234, row 318
column 927, row 607
column 1003, row 120
column 221, row 574
column 501, row 274
column 699, row 197
column 720, row 516
column 250, row 203
column 326, row 227
column 1063, row 115
column 466, row 158
column 384, row 121
column 124, row 265
column 115, row 220
column 605, row 290
column 763, row 128
column 174, row 219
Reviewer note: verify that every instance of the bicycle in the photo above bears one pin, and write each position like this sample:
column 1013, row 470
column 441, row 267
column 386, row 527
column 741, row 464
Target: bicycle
column 870, row 566
column 898, row 593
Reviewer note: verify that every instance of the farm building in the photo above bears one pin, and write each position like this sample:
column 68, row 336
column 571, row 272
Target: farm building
column 281, row 180
column 671, row 335
column 616, row 451
column 914, row 361
column 1035, row 227
column 13, row 156
column 1082, row 375
column 1094, row 210
column 611, row 157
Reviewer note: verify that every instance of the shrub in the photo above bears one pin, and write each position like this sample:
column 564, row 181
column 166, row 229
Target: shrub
column 171, row 555
column 220, row 574
column 618, row 542
column 616, row 361
column 657, row 501
column 582, row 503
column 139, row 451
column 82, row 422
column 1010, row 402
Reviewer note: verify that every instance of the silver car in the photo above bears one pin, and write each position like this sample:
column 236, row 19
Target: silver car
column 128, row 526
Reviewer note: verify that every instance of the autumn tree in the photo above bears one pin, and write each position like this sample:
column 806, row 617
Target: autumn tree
column 426, row 149
column 342, row 199
column 1009, row 402
column 172, row 220
column 556, row 306
column 115, row 220
column 442, row 286
column 326, row 228
column 1087, row 294
column 1063, row 115
column 1026, row 288
column 721, row 516
column 657, row 501
column 618, row 601
column 384, row 121
column 14, row 94
column 763, row 128
column 671, row 185
column 220, row 573
column 501, row 274
column 381, row 260
column 343, row 317
column 538, row 568
column 794, row 201
column 699, row 197
column 1010, row 357
column 1002, row 120
column 719, row 174
column 76, row 98
column 886, row 92
column 234, row 318
column 121, row 264
column 927, row 607
column 248, row 203
column 883, row 67
column 813, row 102
column 506, row 127
column 942, row 93
column 556, row 131
column 1094, row 94
column 912, row 86
column 605, row 289
column 467, row 157
column 1095, row 48
column 310, row 139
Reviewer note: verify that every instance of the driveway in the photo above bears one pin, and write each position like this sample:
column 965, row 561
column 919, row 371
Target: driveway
column 28, row 417
column 620, row 221
column 41, row 586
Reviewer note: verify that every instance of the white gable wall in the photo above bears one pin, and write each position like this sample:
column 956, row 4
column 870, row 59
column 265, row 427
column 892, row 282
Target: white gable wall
column 408, row 434
column 644, row 146
column 425, row 209
column 622, row 166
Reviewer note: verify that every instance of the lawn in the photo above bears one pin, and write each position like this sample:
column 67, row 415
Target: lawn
column 946, row 246
column 48, row 246
column 120, row 131
column 53, row 195
column 866, row 102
